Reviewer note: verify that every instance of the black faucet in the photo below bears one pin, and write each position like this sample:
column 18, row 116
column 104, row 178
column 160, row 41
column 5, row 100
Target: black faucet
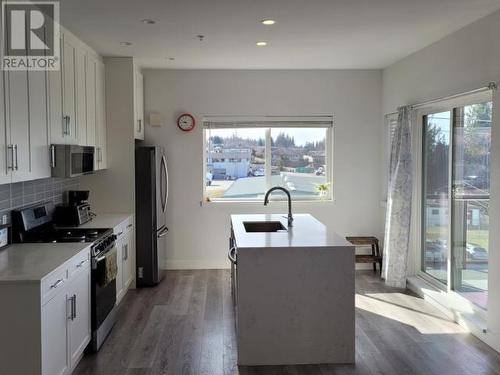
column 266, row 201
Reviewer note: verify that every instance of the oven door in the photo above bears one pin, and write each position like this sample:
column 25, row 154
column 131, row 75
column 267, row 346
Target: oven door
column 103, row 296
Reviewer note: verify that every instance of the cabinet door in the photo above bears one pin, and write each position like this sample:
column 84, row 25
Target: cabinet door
column 101, row 158
column 127, row 258
column 5, row 175
column 54, row 334
column 79, row 316
column 80, row 95
column 55, row 106
column 19, row 123
column 139, row 105
column 38, row 117
column 119, row 274
column 69, row 89
column 90, row 91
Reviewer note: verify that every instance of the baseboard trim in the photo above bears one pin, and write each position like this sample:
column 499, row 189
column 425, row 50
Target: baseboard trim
column 197, row 264
column 221, row 264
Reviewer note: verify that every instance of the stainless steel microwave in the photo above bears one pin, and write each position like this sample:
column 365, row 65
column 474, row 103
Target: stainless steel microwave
column 71, row 160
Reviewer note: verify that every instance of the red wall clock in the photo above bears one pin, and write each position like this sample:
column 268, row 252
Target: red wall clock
column 186, row 122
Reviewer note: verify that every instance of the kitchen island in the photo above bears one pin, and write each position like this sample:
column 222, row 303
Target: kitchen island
column 293, row 291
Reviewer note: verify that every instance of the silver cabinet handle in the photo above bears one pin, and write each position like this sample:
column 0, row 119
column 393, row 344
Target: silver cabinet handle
column 79, row 265
column 130, row 226
column 125, row 252
column 11, row 165
column 56, row 284
column 140, row 125
column 53, row 156
column 119, row 234
column 67, row 128
column 15, row 151
column 72, row 303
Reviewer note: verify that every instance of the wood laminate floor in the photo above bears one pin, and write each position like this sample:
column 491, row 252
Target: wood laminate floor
column 185, row 326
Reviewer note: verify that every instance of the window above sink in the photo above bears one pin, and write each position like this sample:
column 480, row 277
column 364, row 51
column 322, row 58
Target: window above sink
column 244, row 157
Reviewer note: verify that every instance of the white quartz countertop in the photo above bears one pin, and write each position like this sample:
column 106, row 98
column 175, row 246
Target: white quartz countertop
column 31, row 262
column 106, row 220
column 306, row 231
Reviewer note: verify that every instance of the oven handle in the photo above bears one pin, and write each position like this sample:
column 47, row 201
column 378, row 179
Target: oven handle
column 102, row 257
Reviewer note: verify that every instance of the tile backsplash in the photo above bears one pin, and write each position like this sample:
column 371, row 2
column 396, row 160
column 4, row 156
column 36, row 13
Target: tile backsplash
column 22, row 194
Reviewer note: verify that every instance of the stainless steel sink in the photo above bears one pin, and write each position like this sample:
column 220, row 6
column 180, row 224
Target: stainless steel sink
column 263, row 226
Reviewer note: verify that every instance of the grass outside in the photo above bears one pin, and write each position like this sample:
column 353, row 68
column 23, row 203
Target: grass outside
column 477, row 237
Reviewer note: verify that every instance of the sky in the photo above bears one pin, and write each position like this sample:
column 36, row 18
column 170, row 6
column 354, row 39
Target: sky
column 301, row 135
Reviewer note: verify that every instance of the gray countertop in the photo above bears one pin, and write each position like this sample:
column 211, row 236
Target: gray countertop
column 306, row 231
column 31, row 262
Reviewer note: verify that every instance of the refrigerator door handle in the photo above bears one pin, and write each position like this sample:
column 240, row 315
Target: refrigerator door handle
column 164, row 189
column 162, row 232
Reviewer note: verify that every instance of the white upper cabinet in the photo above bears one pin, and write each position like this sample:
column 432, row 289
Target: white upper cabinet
column 80, row 96
column 40, row 108
column 139, row 105
column 5, row 175
column 19, row 126
column 101, row 159
column 38, row 120
column 69, row 89
column 90, row 94
column 57, row 124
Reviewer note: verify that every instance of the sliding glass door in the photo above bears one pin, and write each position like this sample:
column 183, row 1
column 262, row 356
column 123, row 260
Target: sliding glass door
column 471, row 197
column 436, row 195
column 455, row 199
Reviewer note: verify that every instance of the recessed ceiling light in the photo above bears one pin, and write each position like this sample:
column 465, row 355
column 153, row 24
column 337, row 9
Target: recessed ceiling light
column 148, row 21
column 125, row 44
column 261, row 44
column 268, row 22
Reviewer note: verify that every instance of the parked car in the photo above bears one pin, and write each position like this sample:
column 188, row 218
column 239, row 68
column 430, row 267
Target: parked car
column 434, row 252
column 259, row 172
column 320, row 171
column 474, row 252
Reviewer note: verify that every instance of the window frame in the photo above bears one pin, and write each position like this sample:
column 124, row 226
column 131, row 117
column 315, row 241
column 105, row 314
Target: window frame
column 267, row 123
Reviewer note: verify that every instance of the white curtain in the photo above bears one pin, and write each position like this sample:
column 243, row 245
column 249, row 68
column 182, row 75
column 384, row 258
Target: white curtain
column 399, row 197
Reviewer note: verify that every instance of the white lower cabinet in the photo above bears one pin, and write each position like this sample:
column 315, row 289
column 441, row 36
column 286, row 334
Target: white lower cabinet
column 66, row 326
column 46, row 325
column 79, row 317
column 125, row 244
column 54, row 335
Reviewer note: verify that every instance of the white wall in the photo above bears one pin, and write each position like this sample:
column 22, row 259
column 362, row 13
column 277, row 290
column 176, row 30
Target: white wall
column 113, row 189
column 198, row 234
column 465, row 60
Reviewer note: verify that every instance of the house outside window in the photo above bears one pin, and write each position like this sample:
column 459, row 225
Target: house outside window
column 247, row 156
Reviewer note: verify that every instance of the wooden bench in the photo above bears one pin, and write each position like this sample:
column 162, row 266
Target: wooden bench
column 375, row 257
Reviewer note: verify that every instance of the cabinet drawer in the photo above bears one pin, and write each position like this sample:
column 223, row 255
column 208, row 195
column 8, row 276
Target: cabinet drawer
column 79, row 262
column 124, row 226
column 53, row 283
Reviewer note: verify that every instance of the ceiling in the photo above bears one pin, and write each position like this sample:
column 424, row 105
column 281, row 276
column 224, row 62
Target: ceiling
column 308, row 34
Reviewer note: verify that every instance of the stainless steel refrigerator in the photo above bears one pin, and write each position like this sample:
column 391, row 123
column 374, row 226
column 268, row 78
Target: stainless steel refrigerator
column 151, row 196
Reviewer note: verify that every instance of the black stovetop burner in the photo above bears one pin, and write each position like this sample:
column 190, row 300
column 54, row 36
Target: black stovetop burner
column 52, row 234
